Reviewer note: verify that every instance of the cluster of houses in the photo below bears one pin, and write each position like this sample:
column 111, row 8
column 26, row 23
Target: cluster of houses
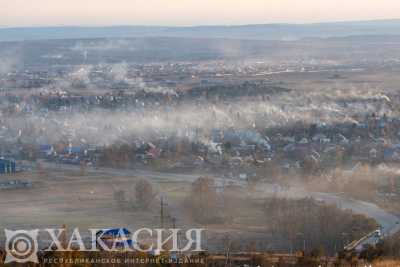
column 311, row 147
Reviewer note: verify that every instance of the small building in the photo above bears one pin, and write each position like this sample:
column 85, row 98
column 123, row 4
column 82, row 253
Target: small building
column 7, row 166
column 46, row 150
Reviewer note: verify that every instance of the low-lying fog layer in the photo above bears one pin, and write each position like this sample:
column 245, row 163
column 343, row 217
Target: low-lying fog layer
column 193, row 120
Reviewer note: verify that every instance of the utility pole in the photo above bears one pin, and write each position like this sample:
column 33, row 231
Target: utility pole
column 162, row 212
column 173, row 222
column 179, row 233
column 227, row 251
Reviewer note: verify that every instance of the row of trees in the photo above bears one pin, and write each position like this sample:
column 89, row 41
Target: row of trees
column 307, row 223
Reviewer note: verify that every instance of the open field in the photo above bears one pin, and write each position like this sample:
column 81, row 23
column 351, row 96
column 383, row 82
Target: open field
column 65, row 194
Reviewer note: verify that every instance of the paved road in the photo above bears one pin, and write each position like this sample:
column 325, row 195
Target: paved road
column 388, row 221
column 151, row 175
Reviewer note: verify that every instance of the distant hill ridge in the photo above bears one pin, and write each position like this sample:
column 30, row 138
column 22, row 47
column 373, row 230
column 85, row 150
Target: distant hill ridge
column 254, row 32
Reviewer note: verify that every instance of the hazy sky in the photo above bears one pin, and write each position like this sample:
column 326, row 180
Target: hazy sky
column 190, row 12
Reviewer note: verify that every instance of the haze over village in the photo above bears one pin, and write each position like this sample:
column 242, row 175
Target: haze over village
column 280, row 140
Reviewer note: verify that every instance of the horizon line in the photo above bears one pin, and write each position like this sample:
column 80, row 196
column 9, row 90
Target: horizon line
column 201, row 25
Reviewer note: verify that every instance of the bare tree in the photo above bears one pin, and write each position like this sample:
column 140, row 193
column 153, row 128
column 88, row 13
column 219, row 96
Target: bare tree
column 203, row 199
column 143, row 193
column 119, row 197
